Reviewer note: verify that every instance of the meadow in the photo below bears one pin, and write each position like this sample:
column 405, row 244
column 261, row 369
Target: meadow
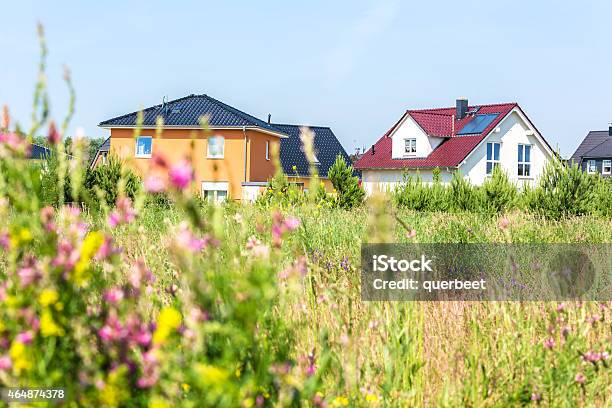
column 125, row 297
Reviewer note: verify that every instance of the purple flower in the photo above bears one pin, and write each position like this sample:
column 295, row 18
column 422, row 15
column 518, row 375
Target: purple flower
column 181, row 175
column 549, row 343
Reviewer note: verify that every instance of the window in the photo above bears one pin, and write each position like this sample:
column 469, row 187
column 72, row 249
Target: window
column 492, row 156
column 606, row 167
column 215, row 191
column 104, row 156
column 524, row 160
column 591, row 166
column 409, row 146
column 144, row 145
column 216, row 146
column 267, row 150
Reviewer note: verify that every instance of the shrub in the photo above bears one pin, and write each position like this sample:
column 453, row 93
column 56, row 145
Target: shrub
column 112, row 179
column 413, row 194
column 349, row 192
column 499, row 194
column 463, row 196
column 562, row 190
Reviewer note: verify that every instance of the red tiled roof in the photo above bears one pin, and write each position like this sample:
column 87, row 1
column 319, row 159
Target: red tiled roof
column 439, row 123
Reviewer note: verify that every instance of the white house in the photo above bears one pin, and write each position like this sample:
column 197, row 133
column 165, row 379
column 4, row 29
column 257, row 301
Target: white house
column 470, row 139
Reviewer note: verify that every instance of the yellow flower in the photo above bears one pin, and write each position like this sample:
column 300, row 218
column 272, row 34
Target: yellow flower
column 22, row 236
column 248, row 403
column 48, row 327
column 48, row 297
column 92, row 242
column 371, row 397
column 12, row 302
column 169, row 319
column 20, row 357
column 211, row 375
column 157, row 402
column 340, row 401
column 186, row 387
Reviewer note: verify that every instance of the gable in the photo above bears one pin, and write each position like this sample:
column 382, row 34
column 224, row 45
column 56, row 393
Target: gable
column 409, row 129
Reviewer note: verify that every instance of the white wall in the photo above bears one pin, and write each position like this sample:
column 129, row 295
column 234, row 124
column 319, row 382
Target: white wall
column 408, row 128
column 513, row 131
column 374, row 181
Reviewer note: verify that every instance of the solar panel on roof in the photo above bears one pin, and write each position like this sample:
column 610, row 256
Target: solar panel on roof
column 478, row 124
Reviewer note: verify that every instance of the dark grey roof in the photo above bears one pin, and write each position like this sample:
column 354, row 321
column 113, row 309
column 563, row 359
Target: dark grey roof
column 596, row 144
column 105, row 147
column 326, row 146
column 39, row 152
column 187, row 111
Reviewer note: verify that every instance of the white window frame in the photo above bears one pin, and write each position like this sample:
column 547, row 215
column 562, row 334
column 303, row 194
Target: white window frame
column 142, row 156
column 594, row 168
column 410, row 146
column 267, row 150
column 215, row 187
column 494, row 163
column 215, row 156
column 606, row 163
column 525, row 162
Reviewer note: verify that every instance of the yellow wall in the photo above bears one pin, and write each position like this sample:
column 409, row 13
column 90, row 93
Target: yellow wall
column 177, row 144
column 328, row 185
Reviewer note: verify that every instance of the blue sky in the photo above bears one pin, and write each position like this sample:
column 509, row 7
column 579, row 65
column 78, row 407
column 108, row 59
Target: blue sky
column 354, row 66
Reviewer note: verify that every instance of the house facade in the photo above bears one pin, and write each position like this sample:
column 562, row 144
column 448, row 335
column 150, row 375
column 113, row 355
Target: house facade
column 232, row 160
column 471, row 139
column 594, row 154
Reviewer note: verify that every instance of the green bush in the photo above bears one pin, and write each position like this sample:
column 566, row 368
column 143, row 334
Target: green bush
column 463, row 196
column 499, row 194
column 111, row 180
column 563, row 190
column 349, row 192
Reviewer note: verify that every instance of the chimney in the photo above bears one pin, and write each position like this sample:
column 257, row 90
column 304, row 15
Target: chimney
column 269, row 118
column 462, row 108
column 609, row 128
column 373, row 148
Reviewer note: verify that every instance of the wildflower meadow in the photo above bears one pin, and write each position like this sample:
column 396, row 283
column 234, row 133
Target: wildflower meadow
column 137, row 292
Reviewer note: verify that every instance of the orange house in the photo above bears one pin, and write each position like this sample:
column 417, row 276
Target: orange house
column 232, row 160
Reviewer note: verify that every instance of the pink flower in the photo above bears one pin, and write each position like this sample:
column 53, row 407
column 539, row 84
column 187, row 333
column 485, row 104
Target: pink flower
column 29, row 272
column 5, row 363
column 53, row 136
column 138, row 273
column 142, row 337
column 5, row 241
column 114, row 295
column 106, row 333
column 150, row 372
column 181, row 174
column 411, row 234
column 106, row 249
column 25, row 337
column 292, row 223
column 186, row 240
column 123, row 214
column 580, row 378
column 503, row 224
column 536, row 397
column 154, row 184
column 560, row 307
column 549, row 343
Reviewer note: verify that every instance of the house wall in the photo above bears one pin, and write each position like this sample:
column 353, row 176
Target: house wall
column 306, row 181
column 598, row 163
column 513, row 131
column 408, row 128
column 260, row 168
column 374, row 181
column 177, row 144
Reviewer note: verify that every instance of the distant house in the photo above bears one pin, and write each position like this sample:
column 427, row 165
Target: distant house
column 472, row 139
column 594, row 155
column 233, row 162
column 294, row 162
column 38, row 152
